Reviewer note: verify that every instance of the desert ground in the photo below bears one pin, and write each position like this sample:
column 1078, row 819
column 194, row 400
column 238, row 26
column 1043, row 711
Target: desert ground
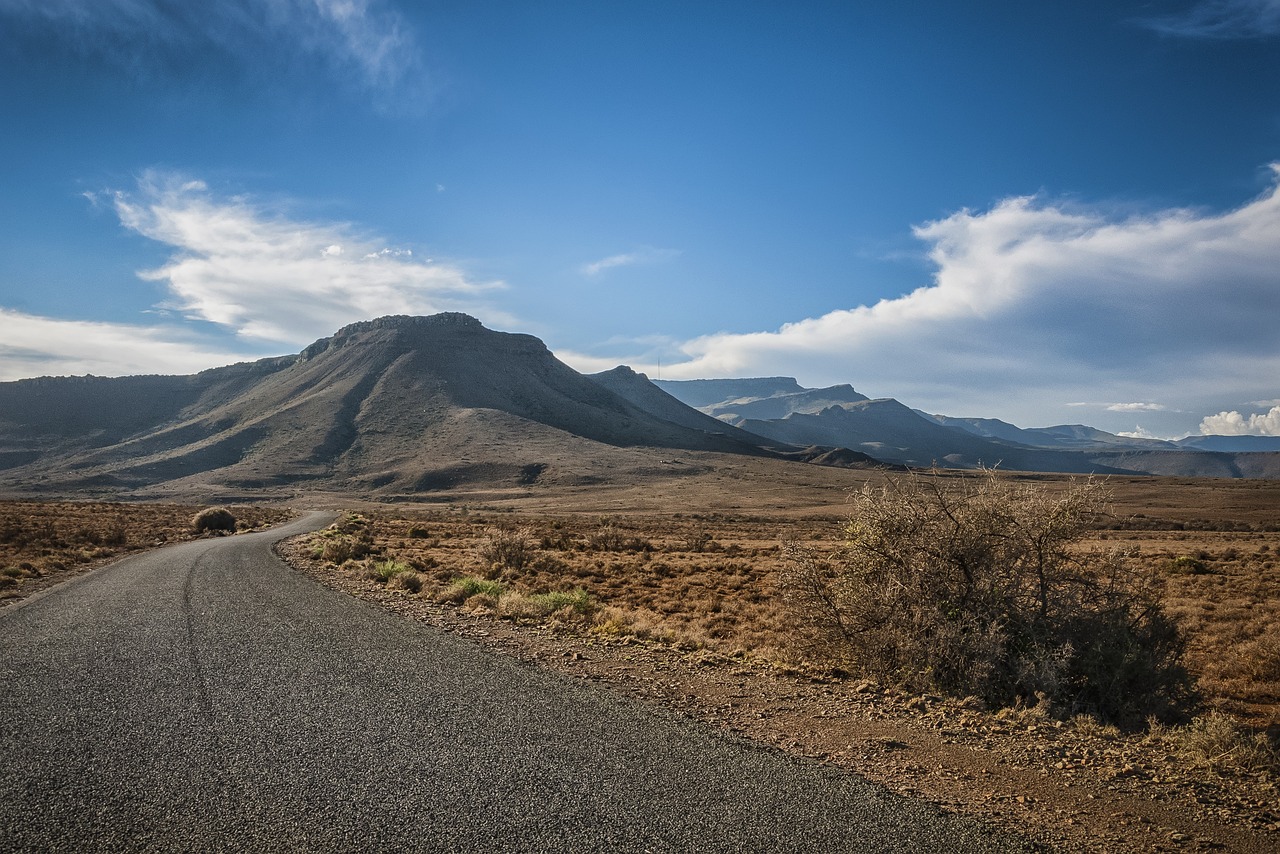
column 672, row 593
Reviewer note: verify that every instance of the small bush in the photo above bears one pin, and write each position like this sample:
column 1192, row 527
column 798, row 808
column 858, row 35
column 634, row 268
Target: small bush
column 505, row 550
column 468, row 586
column 214, row 520
column 407, row 580
column 971, row 586
column 577, row 601
column 1188, row 565
column 610, row 538
column 389, row 569
column 1220, row 742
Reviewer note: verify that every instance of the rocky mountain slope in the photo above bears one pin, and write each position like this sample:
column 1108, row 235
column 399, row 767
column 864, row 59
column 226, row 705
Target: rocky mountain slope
column 394, row 406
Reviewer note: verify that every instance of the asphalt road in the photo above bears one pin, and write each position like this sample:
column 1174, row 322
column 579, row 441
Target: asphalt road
column 203, row 697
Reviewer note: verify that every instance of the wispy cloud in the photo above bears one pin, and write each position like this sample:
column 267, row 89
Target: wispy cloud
column 1232, row 423
column 243, row 281
column 266, row 276
column 365, row 41
column 1222, row 19
column 646, row 255
column 1035, row 302
column 1135, row 407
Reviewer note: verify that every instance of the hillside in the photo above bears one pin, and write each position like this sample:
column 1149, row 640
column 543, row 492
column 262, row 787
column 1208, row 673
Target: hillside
column 394, row 406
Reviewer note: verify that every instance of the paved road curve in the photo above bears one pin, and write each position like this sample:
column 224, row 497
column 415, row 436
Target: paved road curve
column 204, row 697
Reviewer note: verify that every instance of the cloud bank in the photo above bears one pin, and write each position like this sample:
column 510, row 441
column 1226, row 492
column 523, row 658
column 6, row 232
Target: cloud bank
column 1234, row 424
column 42, row 346
column 1035, row 303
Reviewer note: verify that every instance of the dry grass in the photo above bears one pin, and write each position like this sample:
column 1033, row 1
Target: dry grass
column 711, row 580
column 1223, row 589
column 698, row 580
column 43, row 542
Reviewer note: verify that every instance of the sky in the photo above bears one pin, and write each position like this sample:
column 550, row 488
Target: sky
column 1056, row 212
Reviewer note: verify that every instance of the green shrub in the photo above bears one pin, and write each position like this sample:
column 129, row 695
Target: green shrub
column 579, row 601
column 389, row 569
column 465, row 587
column 971, row 585
column 214, row 519
column 1188, row 565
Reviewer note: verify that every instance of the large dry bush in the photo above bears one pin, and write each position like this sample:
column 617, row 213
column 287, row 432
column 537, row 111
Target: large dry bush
column 972, row 586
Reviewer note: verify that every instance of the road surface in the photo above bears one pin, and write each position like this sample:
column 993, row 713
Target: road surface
column 204, row 697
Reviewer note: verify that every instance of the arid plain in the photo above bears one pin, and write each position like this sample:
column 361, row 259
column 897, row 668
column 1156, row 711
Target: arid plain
column 670, row 591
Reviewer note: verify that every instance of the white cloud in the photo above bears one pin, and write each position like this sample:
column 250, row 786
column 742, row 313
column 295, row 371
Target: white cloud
column 364, row 37
column 264, row 276
column 1222, row 19
column 1139, row 432
column 647, row 255
column 1135, row 407
column 1234, row 424
column 1035, row 302
column 42, row 346
column 265, row 283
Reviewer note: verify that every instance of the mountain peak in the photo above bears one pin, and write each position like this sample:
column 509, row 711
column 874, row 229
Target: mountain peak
column 443, row 320
column 397, row 324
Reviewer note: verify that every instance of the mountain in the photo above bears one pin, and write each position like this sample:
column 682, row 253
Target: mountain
column 702, row 393
column 891, row 432
column 397, row 405
column 806, row 402
column 1061, row 436
column 638, row 390
column 401, row 406
column 1231, row 444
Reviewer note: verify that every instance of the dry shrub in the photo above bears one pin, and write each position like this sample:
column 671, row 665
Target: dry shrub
column 502, row 549
column 610, row 538
column 970, row 586
column 1219, row 741
column 407, row 580
column 214, row 520
column 1259, row 660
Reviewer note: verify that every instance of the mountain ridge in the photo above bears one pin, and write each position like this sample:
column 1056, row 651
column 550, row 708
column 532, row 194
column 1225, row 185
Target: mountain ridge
column 403, row 406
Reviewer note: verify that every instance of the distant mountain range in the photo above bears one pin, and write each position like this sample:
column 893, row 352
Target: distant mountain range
column 779, row 408
column 401, row 406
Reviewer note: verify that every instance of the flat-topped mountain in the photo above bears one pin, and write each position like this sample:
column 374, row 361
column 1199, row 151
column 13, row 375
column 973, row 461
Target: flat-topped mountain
column 395, row 405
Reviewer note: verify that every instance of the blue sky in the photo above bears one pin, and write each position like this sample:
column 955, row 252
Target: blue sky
column 1058, row 212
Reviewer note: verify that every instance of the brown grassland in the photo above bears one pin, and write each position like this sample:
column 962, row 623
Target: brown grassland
column 44, row 543
column 678, row 600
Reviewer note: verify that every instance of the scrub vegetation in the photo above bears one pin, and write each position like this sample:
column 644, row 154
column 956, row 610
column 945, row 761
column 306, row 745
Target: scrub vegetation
column 42, row 543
